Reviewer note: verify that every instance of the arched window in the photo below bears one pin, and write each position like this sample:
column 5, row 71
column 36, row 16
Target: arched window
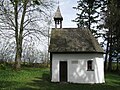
column 90, row 65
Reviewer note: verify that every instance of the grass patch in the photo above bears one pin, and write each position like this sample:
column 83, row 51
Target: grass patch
column 38, row 79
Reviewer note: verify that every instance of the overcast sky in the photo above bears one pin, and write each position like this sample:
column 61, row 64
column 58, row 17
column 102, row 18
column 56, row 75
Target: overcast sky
column 68, row 13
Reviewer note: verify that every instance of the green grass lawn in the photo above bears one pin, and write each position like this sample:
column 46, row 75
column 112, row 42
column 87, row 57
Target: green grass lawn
column 37, row 79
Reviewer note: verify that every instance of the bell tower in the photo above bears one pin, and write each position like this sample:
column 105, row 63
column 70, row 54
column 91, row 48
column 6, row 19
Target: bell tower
column 58, row 18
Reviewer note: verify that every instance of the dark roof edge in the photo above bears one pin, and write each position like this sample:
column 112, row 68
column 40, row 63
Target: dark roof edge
column 77, row 52
column 72, row 28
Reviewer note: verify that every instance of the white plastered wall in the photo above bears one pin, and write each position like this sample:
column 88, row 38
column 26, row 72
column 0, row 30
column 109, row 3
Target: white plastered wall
column 77, row 72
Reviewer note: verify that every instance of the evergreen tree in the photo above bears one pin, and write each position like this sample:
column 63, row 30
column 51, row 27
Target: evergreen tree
column 88, row 14
column 113, row 38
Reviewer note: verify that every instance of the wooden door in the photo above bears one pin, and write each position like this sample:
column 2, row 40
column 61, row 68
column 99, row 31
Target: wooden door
column 63, row 71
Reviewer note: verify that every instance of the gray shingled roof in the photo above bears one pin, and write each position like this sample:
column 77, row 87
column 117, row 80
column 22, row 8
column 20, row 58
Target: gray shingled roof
column 73, row 40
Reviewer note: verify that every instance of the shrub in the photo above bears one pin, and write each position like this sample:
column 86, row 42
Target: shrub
column 3, row 66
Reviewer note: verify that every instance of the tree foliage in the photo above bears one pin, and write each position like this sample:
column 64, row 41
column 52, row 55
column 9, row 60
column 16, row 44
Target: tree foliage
column 88, row 14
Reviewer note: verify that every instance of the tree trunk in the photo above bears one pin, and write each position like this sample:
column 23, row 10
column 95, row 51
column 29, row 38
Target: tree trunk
column 106, row 57
column 117, row 68
column 110, row 50
column 17, row 62
column 110, row 63
column 18, row 34
column 18, row 56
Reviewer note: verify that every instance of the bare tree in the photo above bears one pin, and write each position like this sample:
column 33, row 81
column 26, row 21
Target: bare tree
column 7, row 50
column 31, row 54
column 22, row 19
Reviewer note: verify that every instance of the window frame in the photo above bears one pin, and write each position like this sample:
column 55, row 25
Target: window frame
column 90, row 65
